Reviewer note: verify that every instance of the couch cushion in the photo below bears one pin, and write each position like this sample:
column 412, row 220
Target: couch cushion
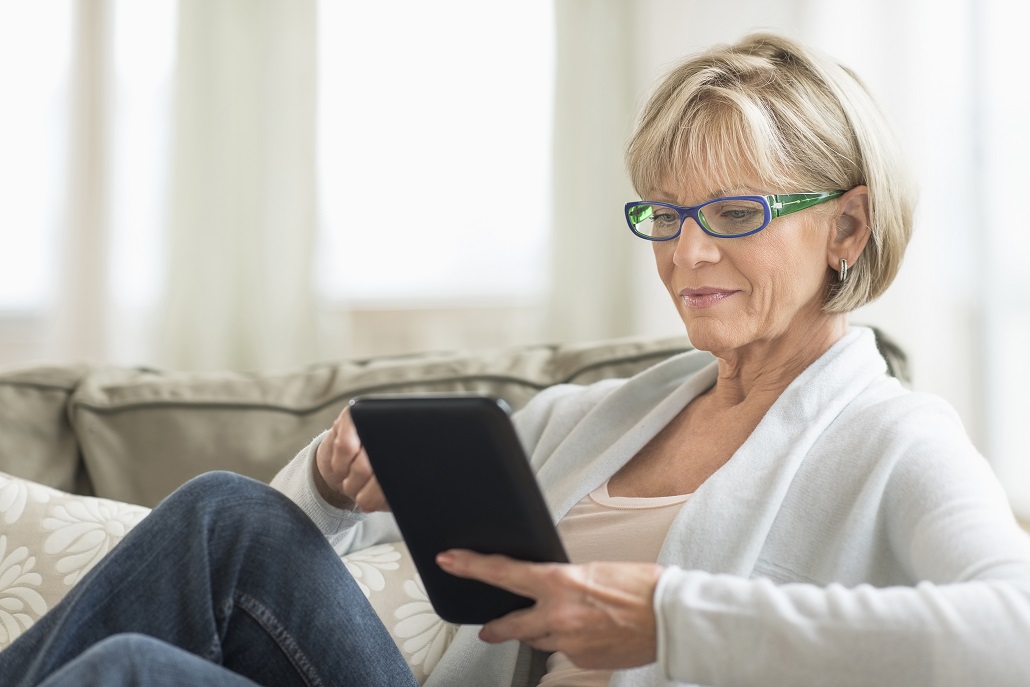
column 50, row 539
column 143, row 432
column 387, row 576
column 36, row 439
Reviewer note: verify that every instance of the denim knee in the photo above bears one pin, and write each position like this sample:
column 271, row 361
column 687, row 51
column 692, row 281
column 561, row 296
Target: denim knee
column 137, row 659
column 129, row 646
column 219, row 483
column 121, row 659
column 239, row 504
column 228, row 492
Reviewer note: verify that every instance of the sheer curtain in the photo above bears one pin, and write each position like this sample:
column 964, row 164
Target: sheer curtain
column 996, row 226
column 593, row 271
column 79, row 198
column 243, row 204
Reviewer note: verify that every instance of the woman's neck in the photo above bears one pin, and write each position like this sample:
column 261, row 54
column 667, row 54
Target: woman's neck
column 762, row 370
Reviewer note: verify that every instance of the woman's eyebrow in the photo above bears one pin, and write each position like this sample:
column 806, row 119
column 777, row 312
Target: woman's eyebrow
column 718, row 193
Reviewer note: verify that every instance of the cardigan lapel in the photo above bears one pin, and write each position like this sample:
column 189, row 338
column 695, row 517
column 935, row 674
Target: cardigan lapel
column 724, row 526
column 619, row 426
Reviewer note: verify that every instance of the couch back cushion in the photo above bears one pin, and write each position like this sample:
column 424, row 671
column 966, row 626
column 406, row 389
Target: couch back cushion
column 37, row 441
column 142, row 433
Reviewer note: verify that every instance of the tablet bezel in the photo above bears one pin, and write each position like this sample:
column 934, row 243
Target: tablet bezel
column 456, row 476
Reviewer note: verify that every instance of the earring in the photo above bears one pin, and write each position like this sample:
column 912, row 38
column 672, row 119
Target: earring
column 842, row 274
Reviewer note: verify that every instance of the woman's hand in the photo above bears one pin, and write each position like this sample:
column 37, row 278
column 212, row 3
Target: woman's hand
column 600, row 615
column 342, row 471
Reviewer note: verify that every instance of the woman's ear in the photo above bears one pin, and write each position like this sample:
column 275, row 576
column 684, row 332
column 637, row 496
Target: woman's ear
column 851, row 228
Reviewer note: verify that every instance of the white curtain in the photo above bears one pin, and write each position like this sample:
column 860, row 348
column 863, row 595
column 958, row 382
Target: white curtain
column 82, row 308
column 240, row 291
column 592, row 295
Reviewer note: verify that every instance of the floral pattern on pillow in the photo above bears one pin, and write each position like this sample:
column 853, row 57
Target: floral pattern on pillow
column 16, row 495
column 370, row 566
column 386, row 575
column 50, row 539
column 19, row 595
column 83, row 531
column 422, row 635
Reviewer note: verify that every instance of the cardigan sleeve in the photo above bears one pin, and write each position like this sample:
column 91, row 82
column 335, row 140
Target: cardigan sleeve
column 963, row 620
column 347, row 530
column 723, row 630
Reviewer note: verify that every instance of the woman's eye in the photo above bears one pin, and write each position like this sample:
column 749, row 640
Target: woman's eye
column 739, row 214
column 666, row 219
column 732, row 217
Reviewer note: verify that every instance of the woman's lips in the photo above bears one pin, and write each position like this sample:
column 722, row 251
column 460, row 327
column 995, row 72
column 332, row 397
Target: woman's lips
column 704, row 297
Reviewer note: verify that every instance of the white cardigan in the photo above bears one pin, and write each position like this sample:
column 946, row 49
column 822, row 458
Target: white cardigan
column 855, row 538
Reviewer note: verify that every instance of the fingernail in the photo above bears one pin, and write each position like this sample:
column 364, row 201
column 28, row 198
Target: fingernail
column 445, row 559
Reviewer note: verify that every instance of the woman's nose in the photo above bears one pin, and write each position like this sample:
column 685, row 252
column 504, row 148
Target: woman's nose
column 694, row 247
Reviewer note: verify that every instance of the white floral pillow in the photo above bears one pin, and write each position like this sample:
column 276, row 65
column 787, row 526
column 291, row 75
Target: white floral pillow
column 387, row 576
column 49, row 539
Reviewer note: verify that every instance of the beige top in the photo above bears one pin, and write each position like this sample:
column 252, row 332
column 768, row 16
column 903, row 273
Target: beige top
column 609, row 528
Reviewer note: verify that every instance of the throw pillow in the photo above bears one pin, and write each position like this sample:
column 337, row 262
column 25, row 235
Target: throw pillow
column 49, row 539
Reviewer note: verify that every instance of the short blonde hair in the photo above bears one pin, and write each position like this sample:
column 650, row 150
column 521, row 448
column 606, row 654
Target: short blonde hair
column 795, row 117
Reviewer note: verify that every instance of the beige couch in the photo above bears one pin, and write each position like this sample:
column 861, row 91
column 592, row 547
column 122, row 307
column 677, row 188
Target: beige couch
column 86, row 451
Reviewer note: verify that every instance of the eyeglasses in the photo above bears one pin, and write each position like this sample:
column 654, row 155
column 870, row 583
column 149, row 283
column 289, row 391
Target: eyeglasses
column 725, row 218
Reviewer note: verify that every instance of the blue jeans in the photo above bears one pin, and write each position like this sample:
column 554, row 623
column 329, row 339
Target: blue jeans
column 226, row 582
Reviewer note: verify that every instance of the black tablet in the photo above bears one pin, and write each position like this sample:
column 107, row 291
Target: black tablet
column 456, row 476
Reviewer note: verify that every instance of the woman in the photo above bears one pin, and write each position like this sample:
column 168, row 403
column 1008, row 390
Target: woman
column 839, row 529
column 773, row 509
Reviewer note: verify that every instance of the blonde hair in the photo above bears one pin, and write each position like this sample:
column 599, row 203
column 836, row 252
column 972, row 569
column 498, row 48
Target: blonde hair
column 795, row 117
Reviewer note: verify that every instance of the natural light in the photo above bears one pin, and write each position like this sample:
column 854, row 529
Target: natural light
column 433, row 166
column 33, row 141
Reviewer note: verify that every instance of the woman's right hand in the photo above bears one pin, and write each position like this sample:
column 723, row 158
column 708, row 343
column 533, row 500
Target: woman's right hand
column 342, row 471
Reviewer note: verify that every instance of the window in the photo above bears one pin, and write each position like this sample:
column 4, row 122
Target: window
column 435, row 150
column 119, row 166
column 1004, row 110
column 35, row 45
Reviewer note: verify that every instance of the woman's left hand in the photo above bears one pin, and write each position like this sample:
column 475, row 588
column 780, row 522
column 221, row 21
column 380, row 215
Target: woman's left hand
column 600, row 615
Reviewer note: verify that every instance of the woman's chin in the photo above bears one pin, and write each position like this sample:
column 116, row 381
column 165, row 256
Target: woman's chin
column 709, row 334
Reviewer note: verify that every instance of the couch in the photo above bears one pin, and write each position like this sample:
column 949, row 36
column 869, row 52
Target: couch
column 86, row 451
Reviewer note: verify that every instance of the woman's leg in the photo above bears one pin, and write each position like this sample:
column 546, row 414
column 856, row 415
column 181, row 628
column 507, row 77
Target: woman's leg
column 130, row 660
column 230, row 570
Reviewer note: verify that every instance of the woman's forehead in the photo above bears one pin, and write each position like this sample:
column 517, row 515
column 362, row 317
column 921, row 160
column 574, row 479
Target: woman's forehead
column 690, row 187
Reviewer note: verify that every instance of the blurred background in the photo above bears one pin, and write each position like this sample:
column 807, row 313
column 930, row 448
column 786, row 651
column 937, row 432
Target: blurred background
column 262, row 184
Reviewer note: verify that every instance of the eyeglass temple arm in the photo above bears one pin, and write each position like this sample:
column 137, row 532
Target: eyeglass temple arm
column 793, row 202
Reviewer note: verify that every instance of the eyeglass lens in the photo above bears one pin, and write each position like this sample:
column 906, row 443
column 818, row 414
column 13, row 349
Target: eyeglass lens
column 728, row 217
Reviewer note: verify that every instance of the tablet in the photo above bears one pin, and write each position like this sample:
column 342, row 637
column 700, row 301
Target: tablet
column 456, row 476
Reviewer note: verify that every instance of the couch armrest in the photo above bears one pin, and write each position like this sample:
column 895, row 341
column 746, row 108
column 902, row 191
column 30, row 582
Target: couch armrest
column 37, row 440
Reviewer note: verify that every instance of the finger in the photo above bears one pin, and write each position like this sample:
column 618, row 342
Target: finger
column 501, row 571
column 323, row 454
column 346, row 447
column 357, row 474
column 359, row 465
column 538, row 638
column 528, row 625
column 547, row 643
column 371, row 497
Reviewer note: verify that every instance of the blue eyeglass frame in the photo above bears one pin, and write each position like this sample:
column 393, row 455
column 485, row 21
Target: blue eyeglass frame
column 774, row 206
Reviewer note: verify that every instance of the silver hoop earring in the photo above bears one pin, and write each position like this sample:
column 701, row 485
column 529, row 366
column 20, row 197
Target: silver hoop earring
column 842, row 274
